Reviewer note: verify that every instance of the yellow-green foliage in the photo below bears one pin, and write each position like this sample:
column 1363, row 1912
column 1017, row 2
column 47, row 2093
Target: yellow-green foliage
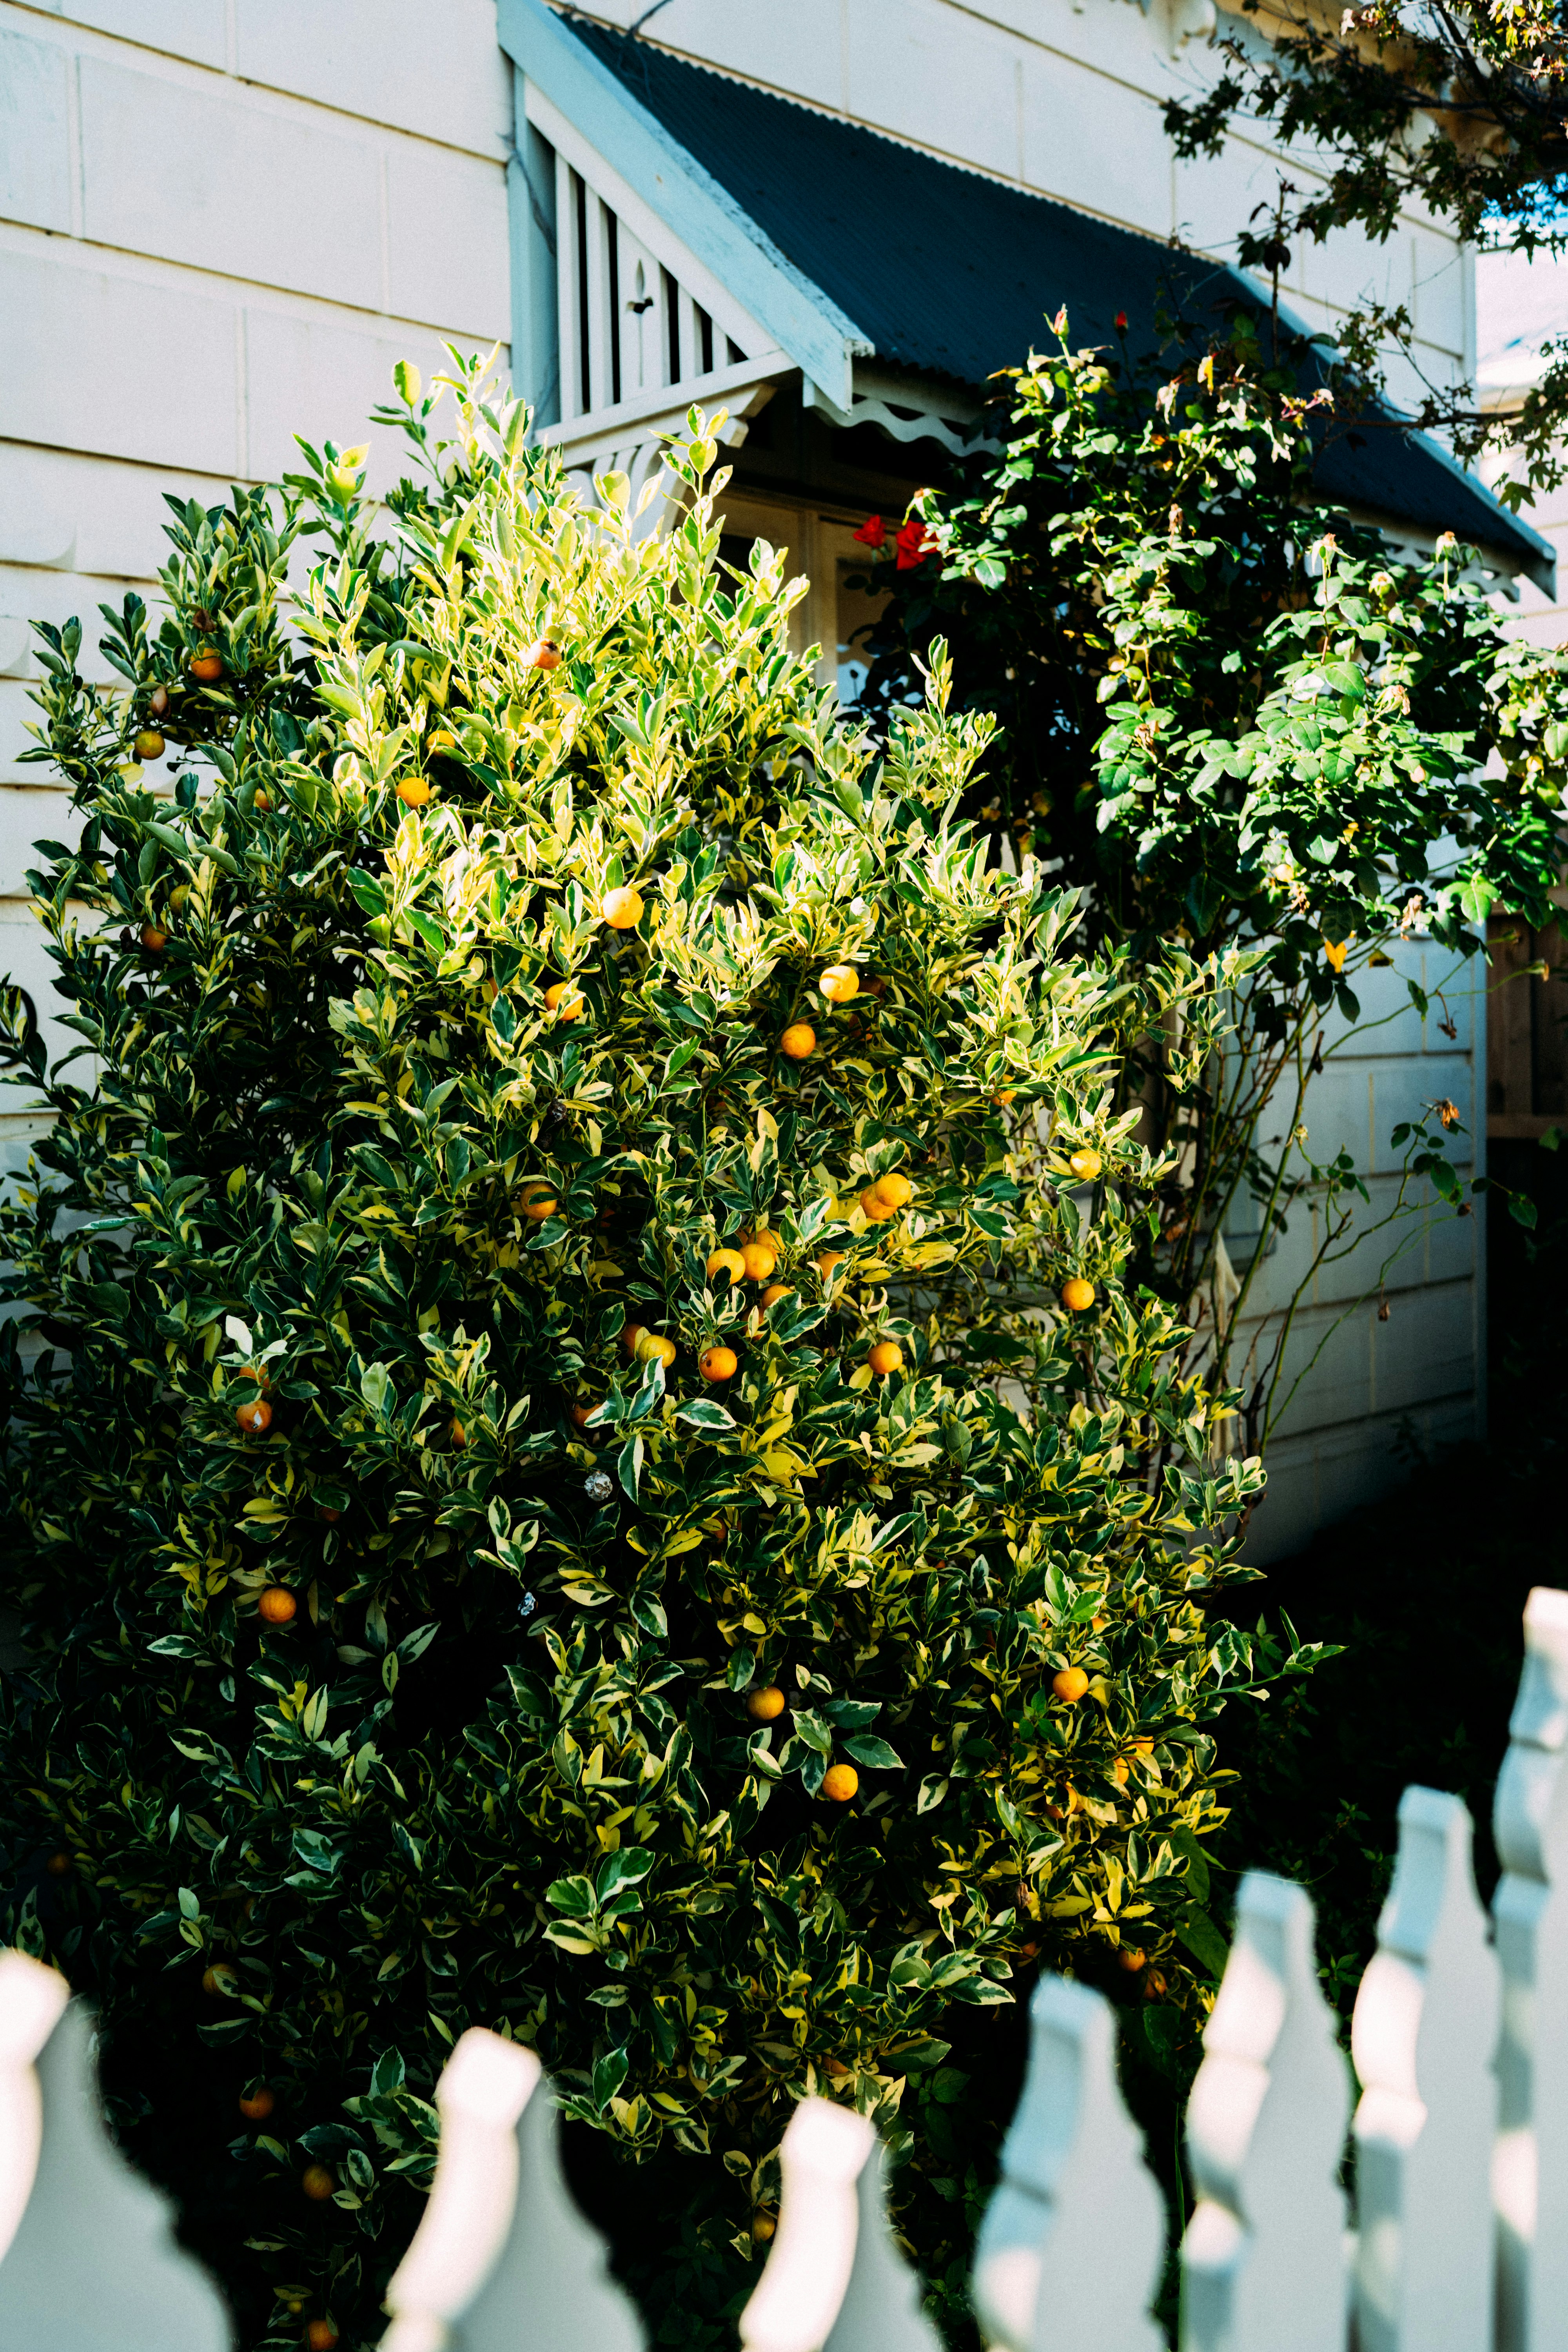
column 341, row 1158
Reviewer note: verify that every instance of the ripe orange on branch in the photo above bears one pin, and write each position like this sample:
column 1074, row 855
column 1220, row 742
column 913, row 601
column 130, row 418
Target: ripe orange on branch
column 839, row 982
column 207, row 666
column 1085, row 1165
column 885, row 1357
column 1078, row 1294
column 622, row 909
column 767, row 1705
column 759, row 1257
column 798, row 1041
column 565, row 999
column 840, row 1782
column 414, row 791
column 149, row 744
column 717, row 1363
column 277, row 1606
column 727, row 1261
column 895, row 1191
column 1070, row 1683
column 255, row 1416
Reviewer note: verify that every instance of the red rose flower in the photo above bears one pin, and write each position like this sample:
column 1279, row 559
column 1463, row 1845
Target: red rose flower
column 913, row 544
column 1121, row 322
column 873, row 531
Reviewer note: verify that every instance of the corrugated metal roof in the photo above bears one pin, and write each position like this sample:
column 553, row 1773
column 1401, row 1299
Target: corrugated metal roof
column 955, row 275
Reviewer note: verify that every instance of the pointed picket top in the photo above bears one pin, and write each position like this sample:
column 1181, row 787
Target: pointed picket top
column 1530, row 1824
column 1424, row 2039
column 502, row 2261
column 835, row 2279
column 1077, row 2212
column 1263, row 2264
column 88, row 2257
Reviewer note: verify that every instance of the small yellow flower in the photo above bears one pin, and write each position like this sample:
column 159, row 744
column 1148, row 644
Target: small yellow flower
column 1334, row 957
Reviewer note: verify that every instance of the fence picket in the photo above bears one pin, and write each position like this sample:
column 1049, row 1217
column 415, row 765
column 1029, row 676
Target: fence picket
column 835, row 2279
column 502, row 2261
column 1076, row 2203
column 1423, row 2037
column 1530, row 2172
column 87, row 2258
column 1263, row 2261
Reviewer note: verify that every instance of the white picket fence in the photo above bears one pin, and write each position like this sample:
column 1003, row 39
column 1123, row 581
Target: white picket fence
column 1460, row 2040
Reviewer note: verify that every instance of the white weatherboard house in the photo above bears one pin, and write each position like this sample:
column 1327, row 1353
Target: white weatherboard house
column 221, row 221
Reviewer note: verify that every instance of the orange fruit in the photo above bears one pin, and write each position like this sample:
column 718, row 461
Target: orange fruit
column 262, row 800
column 179, row 898
column 1007, row 1094
column 459, row 1435
column 1119, row 1769
column 654, row 1343
column 1078, row 1294
column 414, row 791
column 536, row 1201
column 159, row 702
column 630, row 1335
column 775, row 1292
column 325, row 1511
column 715, row 1363
column 565, row 999
column 759, row 1257
column 277, row 1605
column 1130, row 1958
column 1143, row 1748
column 622, row 910
column 320, row 2336
column 255, row 1416
column 1085, row 1165
column 58, row 1865
column 885, row 1357
column 894, row 1191
column 317, row 2183
column 544, row 654
column 827, row 1263
column 154, row 940
column 763, row 2226
column 727, row 1261
column 441, row 742
column 579, row 1414
column 839, row 982
column 218, row 1981
column 257, row 2104
column 149, row 744
column 840, row 1782
column 798, row 1040
column 207, row 666
column 1070, row 1683
column 877, row 1211
column 766, row 1705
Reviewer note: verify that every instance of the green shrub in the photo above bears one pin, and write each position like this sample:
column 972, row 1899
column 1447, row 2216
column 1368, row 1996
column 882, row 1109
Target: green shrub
column 1239, row 720
column 322, row 1287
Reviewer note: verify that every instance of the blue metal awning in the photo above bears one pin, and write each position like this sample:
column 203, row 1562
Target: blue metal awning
column 930, row 267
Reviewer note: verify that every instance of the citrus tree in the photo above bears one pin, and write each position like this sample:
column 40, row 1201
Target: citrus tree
column 580, row 1456
column 1235, row 721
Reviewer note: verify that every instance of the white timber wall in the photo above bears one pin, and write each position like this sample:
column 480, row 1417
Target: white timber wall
column 221, row 223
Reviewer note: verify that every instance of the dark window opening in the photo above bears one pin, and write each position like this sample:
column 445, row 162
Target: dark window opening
column 671, row 321
column 612, row 239
column 705, row 332
column 585, row 384
column 734, row 351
